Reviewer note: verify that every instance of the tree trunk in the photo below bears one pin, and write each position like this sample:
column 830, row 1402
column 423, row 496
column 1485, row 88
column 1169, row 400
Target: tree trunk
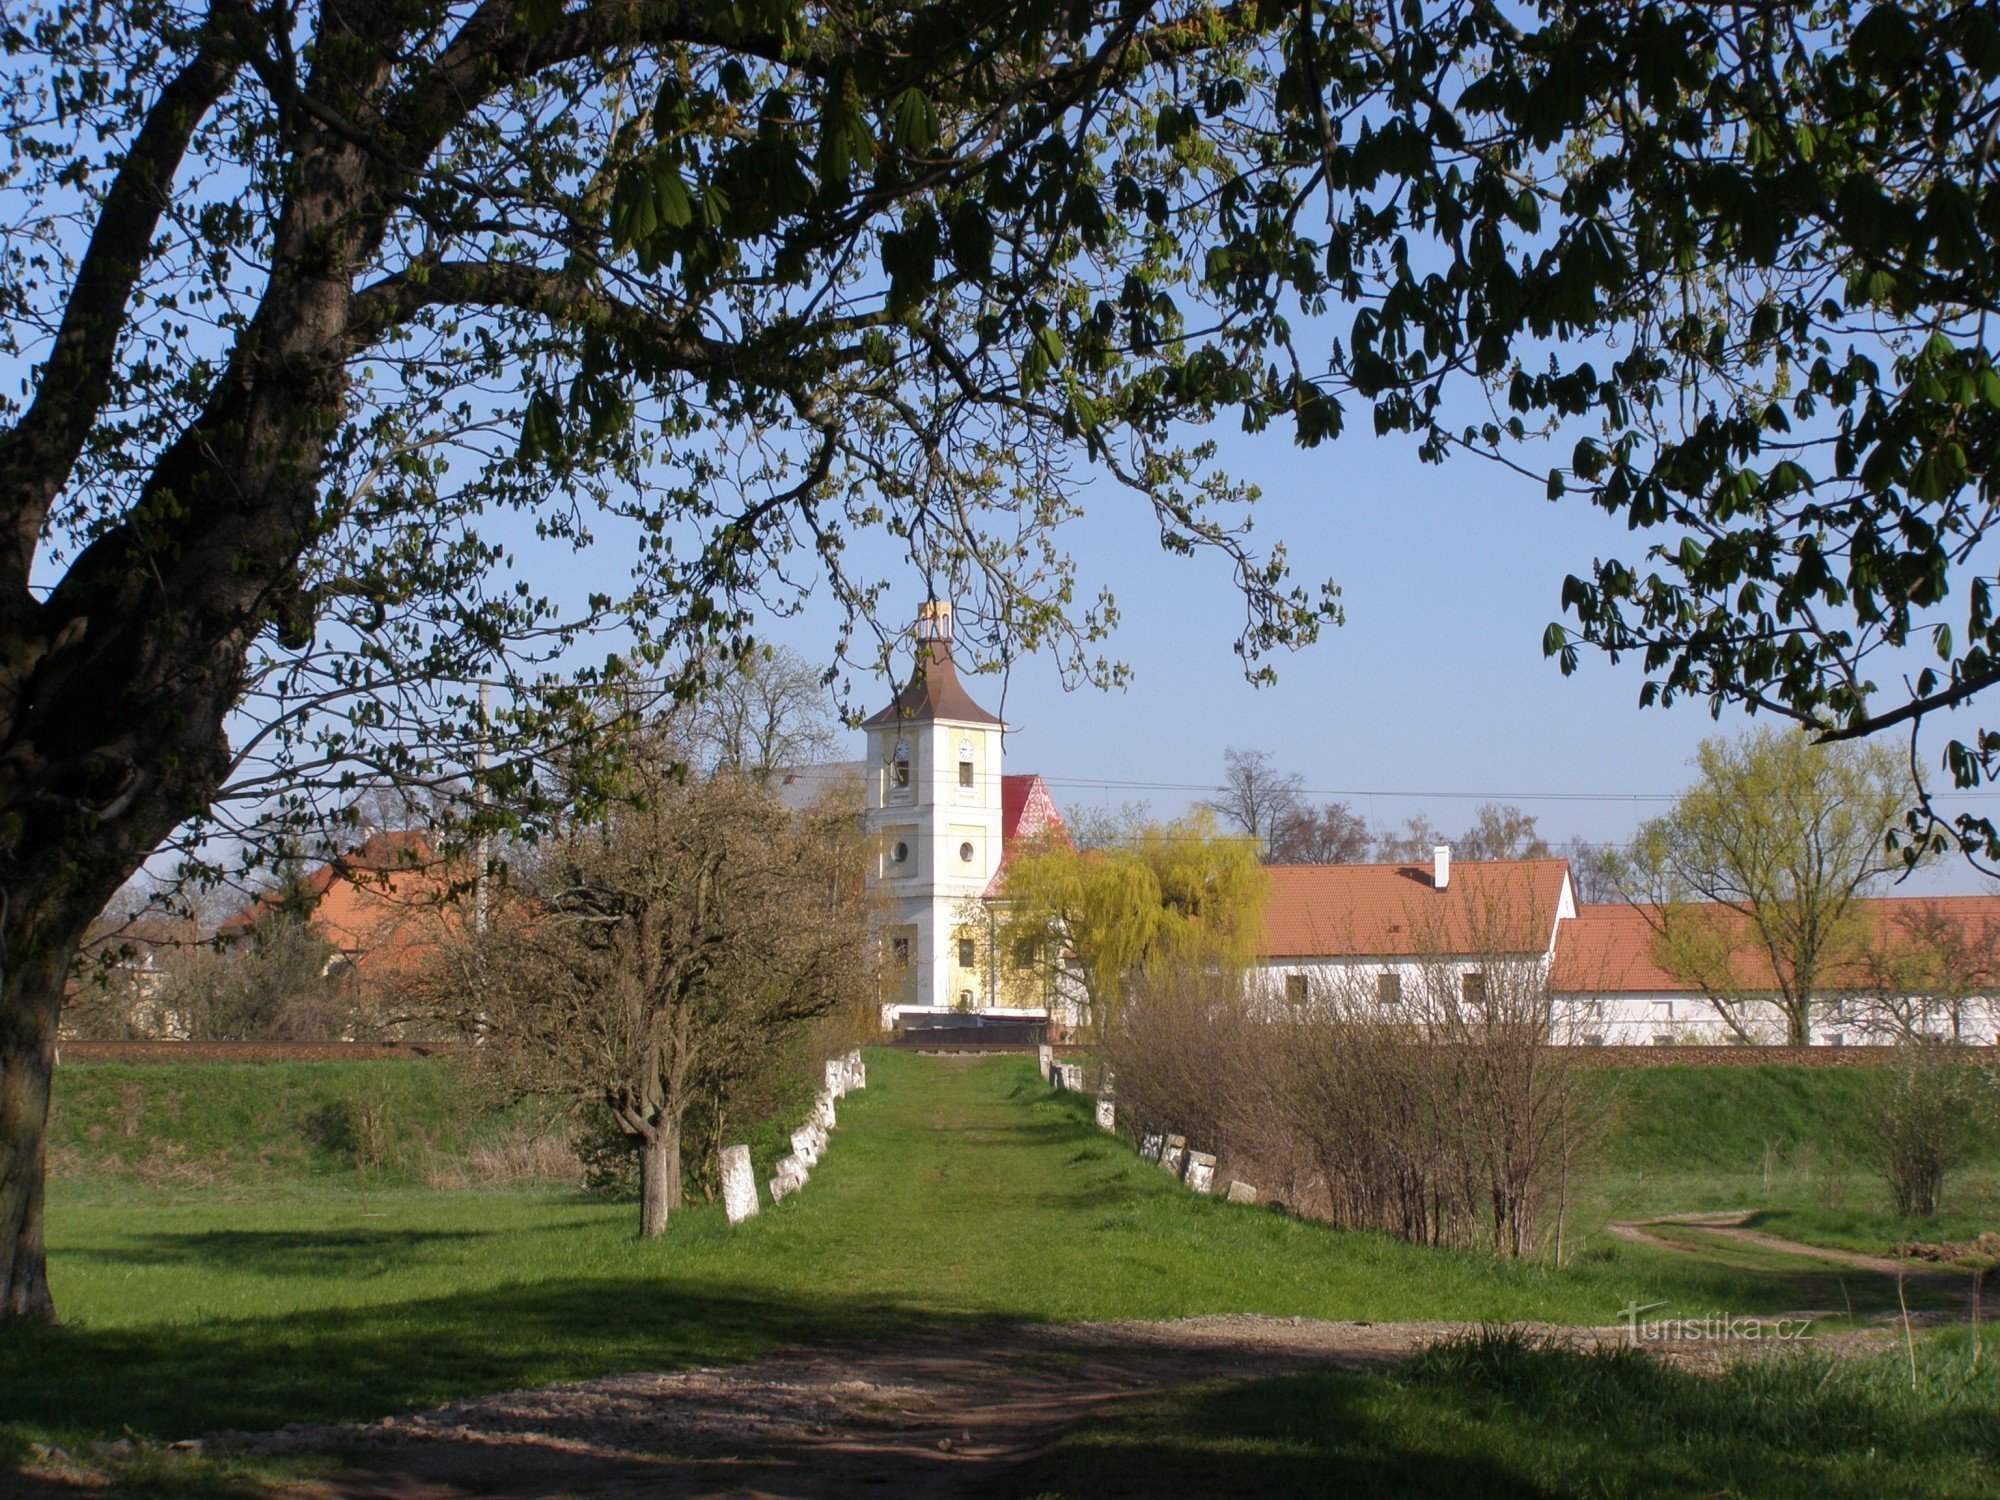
column 654, row 1187
column 32, row 1001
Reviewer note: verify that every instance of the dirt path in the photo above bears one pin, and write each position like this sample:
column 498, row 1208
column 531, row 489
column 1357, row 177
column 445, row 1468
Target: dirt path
column 1732, row 1227
column 946, row 1415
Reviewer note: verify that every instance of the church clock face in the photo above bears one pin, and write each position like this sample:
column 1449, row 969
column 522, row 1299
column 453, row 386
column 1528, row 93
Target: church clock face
column 965, row 748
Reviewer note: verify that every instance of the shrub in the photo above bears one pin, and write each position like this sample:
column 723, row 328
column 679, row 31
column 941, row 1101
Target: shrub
column 1929, row 1111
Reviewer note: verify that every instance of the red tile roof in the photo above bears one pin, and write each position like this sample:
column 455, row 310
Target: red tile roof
column 1610, row 950
column 1393, row 910
column 380, row 904
column 1027, row 812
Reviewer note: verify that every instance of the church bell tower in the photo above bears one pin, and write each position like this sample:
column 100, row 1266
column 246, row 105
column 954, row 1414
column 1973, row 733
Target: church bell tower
column 934, row 820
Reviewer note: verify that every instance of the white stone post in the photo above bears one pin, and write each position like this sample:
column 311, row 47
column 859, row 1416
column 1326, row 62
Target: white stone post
column 739, row 1185
column 1200, row 1171
column 1107, row 1114
column 805, row 1145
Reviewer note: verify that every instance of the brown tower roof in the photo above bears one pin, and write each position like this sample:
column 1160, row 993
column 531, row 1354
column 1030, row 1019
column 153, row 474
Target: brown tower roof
column 934, row 693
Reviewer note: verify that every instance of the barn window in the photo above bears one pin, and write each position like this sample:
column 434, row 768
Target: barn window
column 1472, row 989
column 1389, row 989
column 1296, row 989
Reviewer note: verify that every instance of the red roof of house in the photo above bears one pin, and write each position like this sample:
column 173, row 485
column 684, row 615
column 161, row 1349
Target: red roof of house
column 1609, row 949
column 1395, row 910
column 380, row 903
column 1027, row 812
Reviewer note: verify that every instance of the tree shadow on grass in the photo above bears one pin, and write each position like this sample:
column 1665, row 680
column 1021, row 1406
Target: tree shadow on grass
column 1499, row 1417
column 354, row 1364
column 273, row 1252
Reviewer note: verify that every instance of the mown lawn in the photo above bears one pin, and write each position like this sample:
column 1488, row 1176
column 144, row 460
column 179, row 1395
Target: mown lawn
column 955, row 1192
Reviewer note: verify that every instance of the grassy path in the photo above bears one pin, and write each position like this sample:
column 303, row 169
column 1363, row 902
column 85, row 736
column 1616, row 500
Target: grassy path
column 957, row 1195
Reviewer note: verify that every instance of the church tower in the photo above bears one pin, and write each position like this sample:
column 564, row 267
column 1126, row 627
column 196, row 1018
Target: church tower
column 934, row 816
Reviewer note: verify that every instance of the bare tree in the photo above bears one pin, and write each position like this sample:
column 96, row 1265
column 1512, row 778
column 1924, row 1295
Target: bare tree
column 1418, row 838
column 1331, row 834
column 768, row 710
column 651, row 963
column 1920, row 975
column 1434, row 1093
column 1593, row 871
column 1255, row 797
column 1501, row 831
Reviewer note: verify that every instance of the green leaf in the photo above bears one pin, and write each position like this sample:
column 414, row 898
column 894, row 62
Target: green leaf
column 915, row 123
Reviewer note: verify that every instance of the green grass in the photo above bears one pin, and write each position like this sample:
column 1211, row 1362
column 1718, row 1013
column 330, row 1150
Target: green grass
column 1497, row 1416
column 1789, row 1144
column 181, row 1127
column 955, row 1192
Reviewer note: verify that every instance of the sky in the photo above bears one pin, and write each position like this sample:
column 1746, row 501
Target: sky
column 1433, row 696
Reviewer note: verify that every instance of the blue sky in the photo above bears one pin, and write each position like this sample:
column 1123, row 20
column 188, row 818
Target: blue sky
column 1434, row 694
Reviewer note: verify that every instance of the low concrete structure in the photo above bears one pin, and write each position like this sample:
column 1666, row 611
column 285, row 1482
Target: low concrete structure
column 1150, row 1146
column 1242, row 1192
column 1174, row 1153
column 1107, row 1113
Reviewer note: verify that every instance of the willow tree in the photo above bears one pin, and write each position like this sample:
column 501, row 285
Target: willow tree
column 334, row 324
column 1176, row 893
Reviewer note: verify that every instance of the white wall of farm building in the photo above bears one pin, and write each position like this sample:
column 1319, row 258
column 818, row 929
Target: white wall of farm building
column 1622, row 1019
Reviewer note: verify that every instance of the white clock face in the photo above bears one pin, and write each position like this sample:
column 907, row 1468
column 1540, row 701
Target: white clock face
column 965, row 748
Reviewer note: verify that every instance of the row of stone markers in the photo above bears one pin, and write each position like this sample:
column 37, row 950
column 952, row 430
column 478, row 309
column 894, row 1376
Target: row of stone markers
column 1195, row 1168
column 739, row 1181
column 1069, row 1077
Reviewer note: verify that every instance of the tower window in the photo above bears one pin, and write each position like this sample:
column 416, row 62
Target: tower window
column 968, row 953
column 965, row 773
column 899, row 952
column 965, row 851
column 901, row 853
column 899, row 769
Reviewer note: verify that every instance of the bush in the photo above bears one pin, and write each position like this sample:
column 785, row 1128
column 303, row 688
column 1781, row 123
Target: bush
column 1929, row 1112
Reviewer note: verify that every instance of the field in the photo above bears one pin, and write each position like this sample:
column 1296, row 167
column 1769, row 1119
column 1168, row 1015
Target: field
column 227, row 1242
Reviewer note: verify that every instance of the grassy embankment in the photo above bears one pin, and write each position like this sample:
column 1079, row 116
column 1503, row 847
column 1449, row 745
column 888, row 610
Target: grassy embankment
column 269, row 1279
column 1789, row 1144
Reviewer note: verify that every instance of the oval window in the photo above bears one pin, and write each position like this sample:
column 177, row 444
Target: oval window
column 901, row 853
column 965, row 851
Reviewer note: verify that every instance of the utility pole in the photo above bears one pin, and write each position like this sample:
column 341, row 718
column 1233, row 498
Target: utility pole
column 481, row 846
